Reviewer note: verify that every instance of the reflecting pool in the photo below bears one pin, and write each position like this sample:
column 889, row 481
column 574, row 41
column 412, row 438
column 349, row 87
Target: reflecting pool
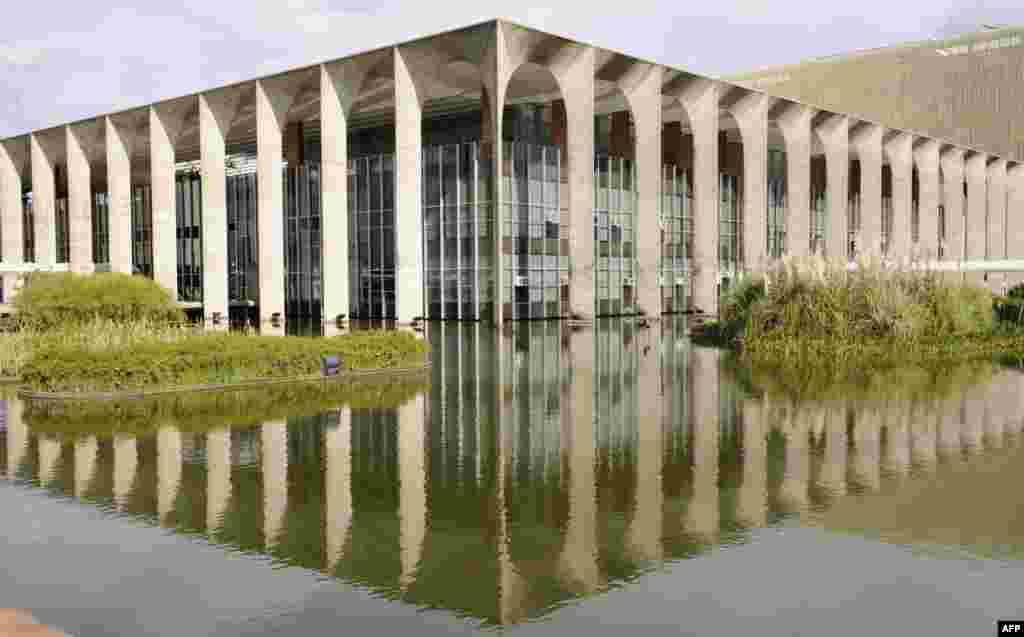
column 537, row 479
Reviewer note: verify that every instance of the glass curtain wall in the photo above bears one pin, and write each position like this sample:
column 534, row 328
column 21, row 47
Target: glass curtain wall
column 28, row 234
column 303, row 258
column 853, row 242
column 243, row 284
column 371, row 200
column 915, row 210
column 615, row 203
column 676, row 240
column 456, row 231
column 730, row 230
column 63, row 237
column 100, row 228
column 142, row 231
column 886, row 223
column 942, row 231
column 776, row 203
column 535, row 243
column 189, row 236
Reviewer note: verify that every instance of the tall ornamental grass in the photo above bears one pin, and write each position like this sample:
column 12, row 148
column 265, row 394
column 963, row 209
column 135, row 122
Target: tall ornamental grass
column 54, row 300
column 806, row 299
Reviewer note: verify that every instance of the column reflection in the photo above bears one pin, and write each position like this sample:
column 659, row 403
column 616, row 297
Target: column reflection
column 648, row 508
column 274, row 477
column 168, row 469
column 702, row 514
column 218, row 478
column 17, row 437
column 412, row 507
column 338, row 487
column 85, row 464
column 126, row 462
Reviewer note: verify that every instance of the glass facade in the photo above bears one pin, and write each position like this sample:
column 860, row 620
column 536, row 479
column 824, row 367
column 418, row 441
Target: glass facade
column 615, row 203
column 819, row 217
column 28, row 233
column 853, row 242
column 886, row 223
column 189, row 236
column 457, row 237
column 243, row 284
column 63, row 247
column 142, row 231
column 730, row 230
column 535, row 234
column 100, row 228
column 303, row 258
column 371, row 201
column 776, row 203
column 676, row 240
column 942, row 231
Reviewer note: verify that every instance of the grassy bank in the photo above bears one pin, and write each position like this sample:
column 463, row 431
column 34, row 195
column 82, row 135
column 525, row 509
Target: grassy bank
column 817, row 314
column 112, row 332
column 104, row 356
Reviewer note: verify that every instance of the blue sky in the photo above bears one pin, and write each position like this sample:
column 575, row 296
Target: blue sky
column 62, row 61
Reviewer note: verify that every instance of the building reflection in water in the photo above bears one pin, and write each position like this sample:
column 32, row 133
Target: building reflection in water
column 542, row 465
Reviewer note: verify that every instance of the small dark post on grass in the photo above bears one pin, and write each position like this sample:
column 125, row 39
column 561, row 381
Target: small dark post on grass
column 330, row 364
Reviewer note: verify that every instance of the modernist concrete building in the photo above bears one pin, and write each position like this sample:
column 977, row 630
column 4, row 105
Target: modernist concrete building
column 490, row 173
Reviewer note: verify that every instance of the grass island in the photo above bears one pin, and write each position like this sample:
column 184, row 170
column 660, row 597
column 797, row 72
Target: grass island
column 114, row 332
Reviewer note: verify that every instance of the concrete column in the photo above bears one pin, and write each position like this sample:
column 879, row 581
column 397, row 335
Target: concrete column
column 952, row 161
column 216, row 113
column 1014, row 218
column 795, row 124
column 899, row 151
column 575, row 73
column 274, row 477
column 701, row 103
column 337, row 488
column 929, row 197
column 13, row 156
column 752, row 501
column 644, row 96
column 273, row 99
column 409, row 218
column 126, row 463
column 339, row 86
column 168, row 470
column 645, row 528
column 997, row 237
column 16, row 439
column 751, row 114
column 120, row 142
column 834, row 135
column 976, row 221
column 78, row 140
column 702, row 516
column 412, row 494
column 85, row 464
column 218, row 478
column 579, row 555
column 45, row 155
column 166, row 122
column 866, row 140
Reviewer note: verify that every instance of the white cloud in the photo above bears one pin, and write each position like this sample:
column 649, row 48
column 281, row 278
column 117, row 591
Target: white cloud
column 13, row 55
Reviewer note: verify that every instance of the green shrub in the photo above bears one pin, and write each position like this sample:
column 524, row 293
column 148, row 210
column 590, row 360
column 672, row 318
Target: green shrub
column 59, row 299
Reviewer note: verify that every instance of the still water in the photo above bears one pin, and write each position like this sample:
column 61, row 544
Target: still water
column 536, row 480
